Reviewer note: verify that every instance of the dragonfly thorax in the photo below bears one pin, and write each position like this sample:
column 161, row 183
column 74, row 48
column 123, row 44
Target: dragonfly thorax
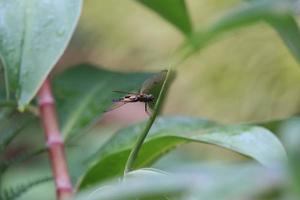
column 145, row 97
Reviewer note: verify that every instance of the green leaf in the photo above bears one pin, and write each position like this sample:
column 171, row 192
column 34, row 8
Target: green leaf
column 168, row 133
column 174, row 11
column 33, row 36
column 277, row 13
column 85, row 92
column 9, row 129
column 194, row 182
column 13, row 161
column 15, row 192
column 289, row 32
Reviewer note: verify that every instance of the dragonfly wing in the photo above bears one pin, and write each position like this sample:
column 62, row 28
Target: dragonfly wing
column 116, row 106
column 153, row 83
column 124, row 92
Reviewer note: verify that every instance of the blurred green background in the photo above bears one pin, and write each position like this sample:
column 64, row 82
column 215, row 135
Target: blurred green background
column 246, row 75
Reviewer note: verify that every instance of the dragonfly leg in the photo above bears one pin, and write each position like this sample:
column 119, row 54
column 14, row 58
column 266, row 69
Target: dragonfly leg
column 146, row 108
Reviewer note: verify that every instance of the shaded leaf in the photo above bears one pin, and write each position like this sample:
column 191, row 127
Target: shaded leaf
column 17, row 191
column 168, row 133
column 9, row 129
column 5, row 164
column 174, row 11
column 33, row 35
column 85, row 92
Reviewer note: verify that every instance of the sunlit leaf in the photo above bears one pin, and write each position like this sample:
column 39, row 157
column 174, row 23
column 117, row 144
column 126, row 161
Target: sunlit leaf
column 174, row 11
column 33, row 35
column 194, row 182
column 168, row 133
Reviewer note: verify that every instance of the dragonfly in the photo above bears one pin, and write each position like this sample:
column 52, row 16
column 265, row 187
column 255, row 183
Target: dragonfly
column 132, row 97
column 144, row 95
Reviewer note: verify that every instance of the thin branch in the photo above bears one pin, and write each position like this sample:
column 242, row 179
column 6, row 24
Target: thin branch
column 137, row 147
column 54, row 142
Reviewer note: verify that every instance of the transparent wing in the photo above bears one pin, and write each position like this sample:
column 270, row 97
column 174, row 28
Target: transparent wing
column 153, row 83
column 124, row 92
column 116, row 106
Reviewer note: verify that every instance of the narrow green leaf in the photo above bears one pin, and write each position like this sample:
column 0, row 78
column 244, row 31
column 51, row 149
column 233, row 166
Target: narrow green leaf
column 174, row 11
column 85, row 92
column 289, row 32
column 168, row 133
column 33, row 35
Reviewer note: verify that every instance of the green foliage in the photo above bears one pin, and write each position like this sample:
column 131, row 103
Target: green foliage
column 278, row 14
column 17, row 191
column 84, row 93
column 8, row 127
column 168, row 133
column 191, row 182
column 33, row 35
column 5, row 164
column 174, row 11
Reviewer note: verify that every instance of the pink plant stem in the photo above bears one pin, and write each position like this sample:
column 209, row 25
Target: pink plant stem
column 54, row 142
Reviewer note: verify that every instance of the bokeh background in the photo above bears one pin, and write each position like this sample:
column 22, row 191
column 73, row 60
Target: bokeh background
column 245, row 75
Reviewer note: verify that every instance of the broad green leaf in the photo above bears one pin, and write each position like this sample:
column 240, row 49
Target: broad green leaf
column 84, row 93
column 174, row 11
column 168, row 133
column 278, row 13
column 16, row 191
column 33, row 35
column 9, row 129
column 194, row 182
